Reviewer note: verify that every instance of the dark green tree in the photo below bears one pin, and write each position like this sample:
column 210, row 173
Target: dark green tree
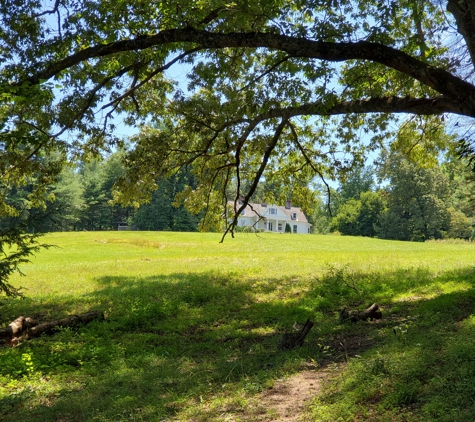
column 98, row 178
column 347, row 219
column 359, row 179
column 19, row 235
column 67, row 206
column 96, row 214
column 417, row 202
column 164, row 212
column 460, row 226
column 113, row 170
column 360, row 217
column 462, row 185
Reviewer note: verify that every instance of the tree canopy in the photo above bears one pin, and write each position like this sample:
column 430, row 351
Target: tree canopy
column 288, row 89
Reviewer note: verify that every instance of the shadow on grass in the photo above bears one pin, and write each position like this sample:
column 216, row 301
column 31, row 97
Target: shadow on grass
column 421, row 364
column 195, row 346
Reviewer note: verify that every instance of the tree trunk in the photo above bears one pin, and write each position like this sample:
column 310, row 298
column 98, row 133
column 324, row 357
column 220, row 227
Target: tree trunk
column 16, row 327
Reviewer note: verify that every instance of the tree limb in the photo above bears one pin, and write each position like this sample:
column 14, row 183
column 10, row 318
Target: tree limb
column 268, row 151
column 461, row 92
column 161, row 69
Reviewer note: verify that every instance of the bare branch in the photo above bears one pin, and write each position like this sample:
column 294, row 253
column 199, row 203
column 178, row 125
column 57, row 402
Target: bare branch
column 48, row 12
column 273, row 67
column 464, row 13
column 90, row 97
column 211, row 16
column 310, row 163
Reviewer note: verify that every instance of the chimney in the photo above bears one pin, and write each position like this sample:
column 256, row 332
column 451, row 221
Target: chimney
column 288, row 205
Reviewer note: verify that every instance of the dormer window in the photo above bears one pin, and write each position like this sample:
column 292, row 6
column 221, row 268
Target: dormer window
column 294, row 216
column 243, row 212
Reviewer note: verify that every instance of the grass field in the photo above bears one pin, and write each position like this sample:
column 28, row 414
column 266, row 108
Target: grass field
column 192, row 328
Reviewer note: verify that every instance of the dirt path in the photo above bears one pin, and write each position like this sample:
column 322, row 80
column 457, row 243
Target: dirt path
column 288, row 399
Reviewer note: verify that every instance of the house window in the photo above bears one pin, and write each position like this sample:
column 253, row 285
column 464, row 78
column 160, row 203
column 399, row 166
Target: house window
column 294, row 216
column 243, row 212
column 273, row 211
column 279, row 227
column 295, row 228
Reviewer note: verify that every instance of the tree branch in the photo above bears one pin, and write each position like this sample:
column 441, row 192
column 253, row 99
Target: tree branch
column 269, row 70
column 48, row 12
column 424, row 106
column 464, row 13
column 461, row 92
column 90, row 97
column 310, row 163
column 161, row 69
column 252, row 189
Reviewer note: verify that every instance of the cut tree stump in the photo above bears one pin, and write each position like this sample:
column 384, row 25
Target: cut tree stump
column 25, row 328
column 291, row 340
column 373, row 312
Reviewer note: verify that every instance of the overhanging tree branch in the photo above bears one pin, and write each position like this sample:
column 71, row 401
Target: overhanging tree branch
column 461, row 92
column 268, row 151
column 311, row 164
column 161, row 69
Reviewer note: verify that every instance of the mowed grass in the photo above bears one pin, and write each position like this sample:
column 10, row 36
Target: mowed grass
column 192, row 327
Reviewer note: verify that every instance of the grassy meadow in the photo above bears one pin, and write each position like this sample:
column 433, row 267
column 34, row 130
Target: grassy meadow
column 192, row 327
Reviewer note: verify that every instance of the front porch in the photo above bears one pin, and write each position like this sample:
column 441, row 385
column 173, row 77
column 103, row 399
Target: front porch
column 274, row 225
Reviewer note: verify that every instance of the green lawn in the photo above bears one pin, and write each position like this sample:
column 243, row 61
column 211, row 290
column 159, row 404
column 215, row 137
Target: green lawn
column 192, row 327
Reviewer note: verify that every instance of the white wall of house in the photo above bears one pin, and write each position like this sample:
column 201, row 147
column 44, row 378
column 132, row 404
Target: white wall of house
column 299, row 228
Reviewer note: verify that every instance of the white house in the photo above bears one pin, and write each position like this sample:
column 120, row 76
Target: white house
column 273, row 218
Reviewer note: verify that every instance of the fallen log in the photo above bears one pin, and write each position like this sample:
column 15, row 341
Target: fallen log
column 16, row 327
column 25, row 328
column 371, row 313
column 291, row 340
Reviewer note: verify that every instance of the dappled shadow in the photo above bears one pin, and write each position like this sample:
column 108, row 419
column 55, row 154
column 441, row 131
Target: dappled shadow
column 167, row 341
column 171, row 343
column 420, row 360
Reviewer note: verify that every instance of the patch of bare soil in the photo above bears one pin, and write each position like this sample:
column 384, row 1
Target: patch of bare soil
column 289, row 398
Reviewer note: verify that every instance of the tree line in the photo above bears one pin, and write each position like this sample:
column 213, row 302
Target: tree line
column 82, row 199
column 413, row 202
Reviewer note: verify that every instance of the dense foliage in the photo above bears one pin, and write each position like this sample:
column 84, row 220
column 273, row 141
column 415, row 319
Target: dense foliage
column 255, row 73
column 82, row 199
column 415, row 203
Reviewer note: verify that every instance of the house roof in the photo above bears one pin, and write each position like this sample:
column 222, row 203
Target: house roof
column 253, row 209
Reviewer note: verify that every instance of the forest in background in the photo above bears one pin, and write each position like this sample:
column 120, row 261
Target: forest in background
column 82, row 199
column 395, row 199
column 403, row 200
